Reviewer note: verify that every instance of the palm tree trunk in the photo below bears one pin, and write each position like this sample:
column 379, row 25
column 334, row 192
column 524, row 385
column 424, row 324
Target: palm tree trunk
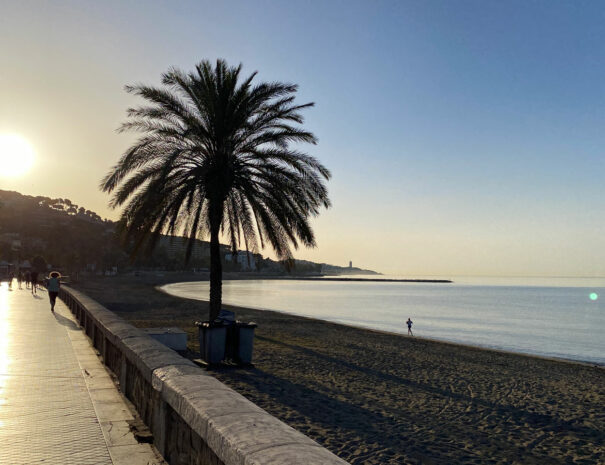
column 216, row 273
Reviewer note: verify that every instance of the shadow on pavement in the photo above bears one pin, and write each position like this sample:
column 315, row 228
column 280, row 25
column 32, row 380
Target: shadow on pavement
column 66, row 322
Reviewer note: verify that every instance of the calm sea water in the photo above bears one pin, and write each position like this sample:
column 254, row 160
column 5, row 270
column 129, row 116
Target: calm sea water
column 554, row 317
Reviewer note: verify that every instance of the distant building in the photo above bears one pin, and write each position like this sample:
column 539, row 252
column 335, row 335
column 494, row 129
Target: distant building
column 350, row 264
column 177, row 246
column 246, row 261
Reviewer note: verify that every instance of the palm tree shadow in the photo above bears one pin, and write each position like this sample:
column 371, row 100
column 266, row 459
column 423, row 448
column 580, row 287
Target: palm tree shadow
column 318, row 407
column 66, row 322
column 520, row 415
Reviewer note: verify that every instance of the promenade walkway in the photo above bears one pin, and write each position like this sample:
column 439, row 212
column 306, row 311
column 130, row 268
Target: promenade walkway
column 58, row 404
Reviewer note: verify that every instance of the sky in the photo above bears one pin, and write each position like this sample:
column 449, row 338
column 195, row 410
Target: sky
column 464, row 137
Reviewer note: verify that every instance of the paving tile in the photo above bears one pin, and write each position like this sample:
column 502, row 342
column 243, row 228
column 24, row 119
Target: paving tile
column 134, row 455
column 108, row 394
column 111, row 411
column 100, row 383
column 117, row 433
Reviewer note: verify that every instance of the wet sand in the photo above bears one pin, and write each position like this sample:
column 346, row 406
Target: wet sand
column 377, row 398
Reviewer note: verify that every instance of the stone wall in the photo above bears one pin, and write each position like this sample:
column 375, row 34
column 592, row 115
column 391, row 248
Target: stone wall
column 195, row 419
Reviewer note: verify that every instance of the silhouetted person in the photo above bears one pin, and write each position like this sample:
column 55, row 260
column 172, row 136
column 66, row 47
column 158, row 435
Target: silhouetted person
column 410, row 323
column 28, row 279
column 53, row 285
column 34, row 276
column 20, row 278
column 11, row 276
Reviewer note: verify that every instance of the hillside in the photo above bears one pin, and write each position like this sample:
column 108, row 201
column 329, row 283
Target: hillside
column 64, row 234
column 72, row 239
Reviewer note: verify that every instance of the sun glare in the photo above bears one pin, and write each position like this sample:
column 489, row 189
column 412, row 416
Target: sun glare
column 16, row 155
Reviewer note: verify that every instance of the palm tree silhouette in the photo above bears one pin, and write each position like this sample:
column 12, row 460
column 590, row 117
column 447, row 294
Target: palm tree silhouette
column 216, row 157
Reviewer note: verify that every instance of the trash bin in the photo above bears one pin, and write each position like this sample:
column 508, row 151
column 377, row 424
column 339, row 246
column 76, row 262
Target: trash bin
column 226, row 339
column 240, row 342
column 212, row 337
column 245, row 339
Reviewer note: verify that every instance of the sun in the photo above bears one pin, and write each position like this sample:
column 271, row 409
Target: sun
column 16, row 155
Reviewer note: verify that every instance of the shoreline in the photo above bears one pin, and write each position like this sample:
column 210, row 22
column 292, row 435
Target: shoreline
column 374, row 397
column 592, row 363
column 587, row 363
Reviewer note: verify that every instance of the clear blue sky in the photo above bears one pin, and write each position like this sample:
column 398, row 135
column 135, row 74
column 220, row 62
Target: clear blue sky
column 465, row 137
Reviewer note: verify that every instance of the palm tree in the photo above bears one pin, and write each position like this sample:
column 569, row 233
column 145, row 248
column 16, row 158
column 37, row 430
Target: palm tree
column 216, row 157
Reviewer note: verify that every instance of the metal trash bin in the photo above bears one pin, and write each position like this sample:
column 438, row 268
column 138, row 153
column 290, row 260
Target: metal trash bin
column 245, row 342
column 226, row 339
column 240, row 342
column 212, row 337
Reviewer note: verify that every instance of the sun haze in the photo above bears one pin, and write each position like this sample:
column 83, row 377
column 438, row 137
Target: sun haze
column 16, row 156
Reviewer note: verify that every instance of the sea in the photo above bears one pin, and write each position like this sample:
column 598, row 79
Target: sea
column 551, row 317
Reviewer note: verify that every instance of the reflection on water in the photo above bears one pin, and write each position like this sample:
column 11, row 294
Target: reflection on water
column 535, row 318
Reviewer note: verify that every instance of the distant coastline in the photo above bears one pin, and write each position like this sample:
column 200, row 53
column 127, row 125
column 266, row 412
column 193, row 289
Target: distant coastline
column 387, row 280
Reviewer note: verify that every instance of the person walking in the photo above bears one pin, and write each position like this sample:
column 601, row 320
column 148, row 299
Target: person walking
column 34, row 279
column 20, row 279
column 410, row 323
column 11, row 276
column 28, row 279
column 53, row 285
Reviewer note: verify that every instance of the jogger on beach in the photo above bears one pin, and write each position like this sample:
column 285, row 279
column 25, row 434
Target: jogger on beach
column 409, row 323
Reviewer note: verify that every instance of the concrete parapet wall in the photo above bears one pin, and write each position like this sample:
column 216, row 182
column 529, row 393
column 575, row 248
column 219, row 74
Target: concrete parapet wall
column 195, row 419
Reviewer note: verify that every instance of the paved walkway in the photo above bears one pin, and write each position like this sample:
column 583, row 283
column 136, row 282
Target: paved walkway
column 58, row 404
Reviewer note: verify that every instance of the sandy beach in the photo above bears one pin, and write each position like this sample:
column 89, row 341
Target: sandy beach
column 377, row 398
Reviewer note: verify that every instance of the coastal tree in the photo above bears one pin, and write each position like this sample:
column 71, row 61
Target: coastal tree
column 218, row 156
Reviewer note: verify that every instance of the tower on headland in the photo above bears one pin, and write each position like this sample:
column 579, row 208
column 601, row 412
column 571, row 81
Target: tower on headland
column 350, row 264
